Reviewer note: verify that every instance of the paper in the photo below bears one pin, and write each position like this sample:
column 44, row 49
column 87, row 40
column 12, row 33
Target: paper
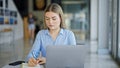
column 25, row 65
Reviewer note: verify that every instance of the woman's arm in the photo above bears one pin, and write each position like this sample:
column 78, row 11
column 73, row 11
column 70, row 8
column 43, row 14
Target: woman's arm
column 36, row 48
column 72, row 40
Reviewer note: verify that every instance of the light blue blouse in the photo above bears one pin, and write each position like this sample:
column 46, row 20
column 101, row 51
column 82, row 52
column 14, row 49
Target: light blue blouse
column 43, row 39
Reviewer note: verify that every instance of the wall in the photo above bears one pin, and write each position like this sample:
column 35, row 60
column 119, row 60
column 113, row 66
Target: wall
column 94, row 20
column 102, row 26
column 18, row 28
column 94, row 25
column 99, row 26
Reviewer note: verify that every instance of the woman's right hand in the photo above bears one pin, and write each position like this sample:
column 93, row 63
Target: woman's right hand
column 32, row 62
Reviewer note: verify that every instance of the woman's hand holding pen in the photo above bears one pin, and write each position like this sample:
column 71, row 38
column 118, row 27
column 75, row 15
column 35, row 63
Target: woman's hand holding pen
column 33, row 62
column 41, row 60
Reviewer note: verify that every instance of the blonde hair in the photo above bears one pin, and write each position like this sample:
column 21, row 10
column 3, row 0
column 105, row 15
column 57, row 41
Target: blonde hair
column 54, row 7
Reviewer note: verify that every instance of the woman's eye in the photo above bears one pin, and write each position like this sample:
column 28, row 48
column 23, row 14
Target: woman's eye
column 46, row 18
column 54, row 18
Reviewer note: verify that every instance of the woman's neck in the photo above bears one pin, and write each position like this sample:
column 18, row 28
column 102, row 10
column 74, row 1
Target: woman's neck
column 54, row 33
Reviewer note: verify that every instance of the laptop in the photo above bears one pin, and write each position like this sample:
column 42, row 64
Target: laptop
column 65, row 56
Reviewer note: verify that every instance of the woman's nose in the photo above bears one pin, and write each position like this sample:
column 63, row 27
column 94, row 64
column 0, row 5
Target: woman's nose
column 50, row 21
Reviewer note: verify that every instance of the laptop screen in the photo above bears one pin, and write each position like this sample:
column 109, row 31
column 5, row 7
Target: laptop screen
column 65, row 56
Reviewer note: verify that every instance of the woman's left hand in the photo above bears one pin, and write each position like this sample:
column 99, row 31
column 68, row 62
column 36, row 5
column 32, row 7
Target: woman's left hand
column 41, row 60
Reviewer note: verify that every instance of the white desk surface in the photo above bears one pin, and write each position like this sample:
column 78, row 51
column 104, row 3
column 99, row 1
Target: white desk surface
column 17, row 66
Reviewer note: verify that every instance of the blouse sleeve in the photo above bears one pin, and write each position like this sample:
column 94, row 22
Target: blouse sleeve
column 36, row 48
column 72, row 40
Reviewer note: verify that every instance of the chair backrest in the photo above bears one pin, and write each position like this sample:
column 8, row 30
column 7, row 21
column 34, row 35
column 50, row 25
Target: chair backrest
column 65, row 56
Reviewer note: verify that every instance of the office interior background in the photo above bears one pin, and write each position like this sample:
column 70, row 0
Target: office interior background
column 92, row 21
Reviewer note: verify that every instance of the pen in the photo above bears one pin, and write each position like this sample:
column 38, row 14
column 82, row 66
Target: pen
column 33, row 54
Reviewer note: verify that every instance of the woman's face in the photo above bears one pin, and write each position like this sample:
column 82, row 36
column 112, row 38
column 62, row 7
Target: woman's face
column 52, row 20
column 30, row 15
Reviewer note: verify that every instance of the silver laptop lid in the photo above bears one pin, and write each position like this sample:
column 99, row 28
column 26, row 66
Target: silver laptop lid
column 65, row 56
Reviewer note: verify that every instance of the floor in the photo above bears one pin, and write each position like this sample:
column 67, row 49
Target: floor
column 18, row 50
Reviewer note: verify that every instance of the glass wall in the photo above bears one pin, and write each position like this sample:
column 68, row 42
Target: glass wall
column 110, row 25
column 77, row 18
column 119, row 31
column 114, row 29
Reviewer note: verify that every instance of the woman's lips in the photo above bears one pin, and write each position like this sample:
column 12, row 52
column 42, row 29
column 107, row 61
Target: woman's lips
column 51, row 25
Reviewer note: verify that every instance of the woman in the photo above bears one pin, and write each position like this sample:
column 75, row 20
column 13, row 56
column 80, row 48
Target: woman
column 54, row 34
column 31, row 26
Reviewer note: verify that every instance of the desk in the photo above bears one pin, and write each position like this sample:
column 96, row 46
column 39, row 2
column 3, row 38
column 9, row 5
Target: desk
column 18, row 66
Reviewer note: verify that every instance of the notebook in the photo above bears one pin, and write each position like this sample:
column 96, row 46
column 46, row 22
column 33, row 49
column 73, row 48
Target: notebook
column 25, row 65
column 66, row 56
